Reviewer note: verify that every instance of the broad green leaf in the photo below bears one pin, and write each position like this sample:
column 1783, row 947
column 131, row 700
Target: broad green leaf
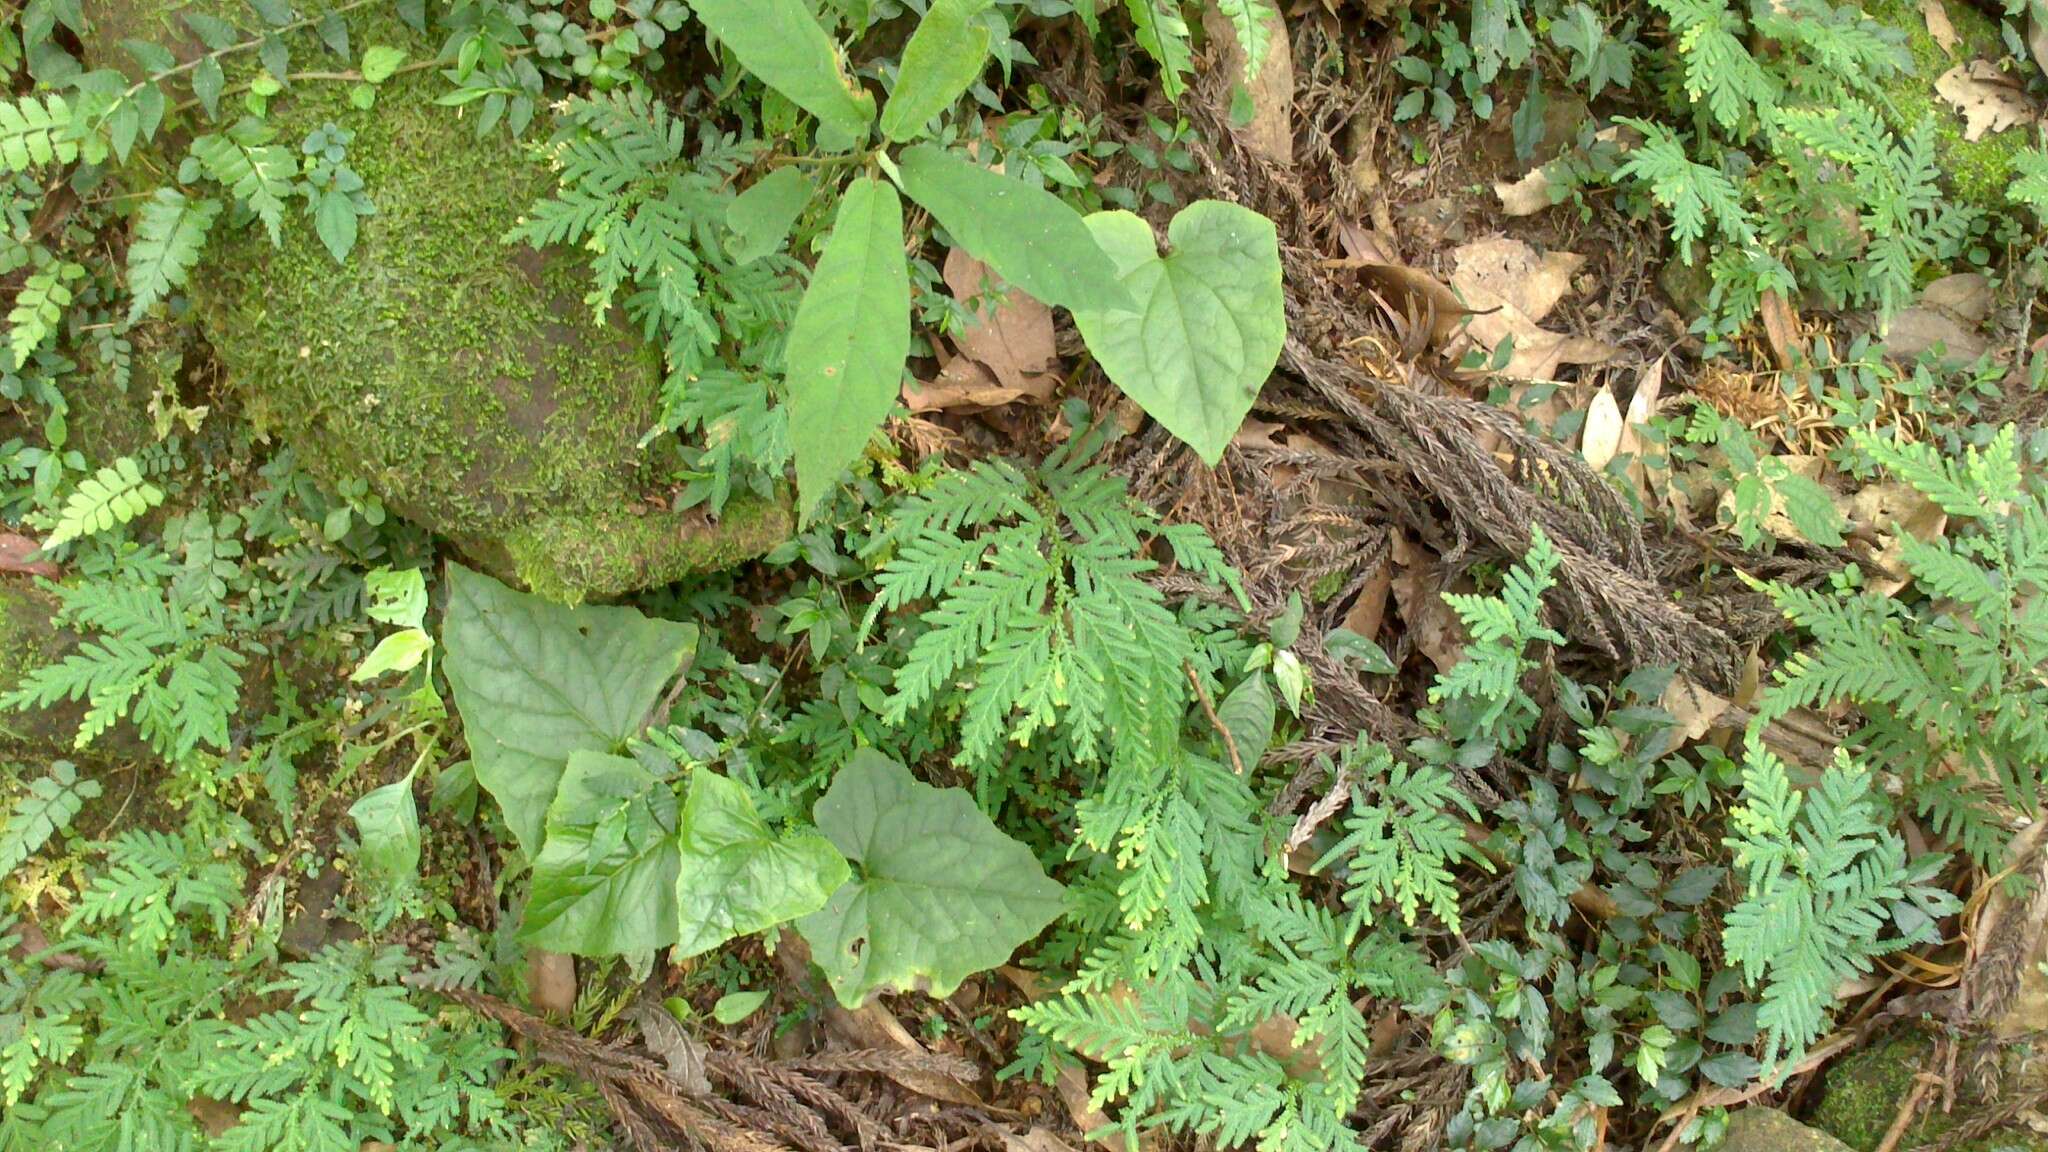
column 1248, row 714
column 388, row 827
column 782, row 43
column 380, row 61
column 1210, row 321
column 737, row 876
column 1811, row 509
column 603, row 881
column 761, row 217
column 940, row 893
column 334, row 221
column 849, row 340
column 536, row 681
column 398, row 652
column 941, row 60
column 1028, row 235
column 734, row 1007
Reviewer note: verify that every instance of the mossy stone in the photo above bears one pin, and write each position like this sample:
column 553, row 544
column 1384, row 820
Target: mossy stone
column 463, row 378
column 1977, row 171
column 1865, row 1089
column 1760, row 1129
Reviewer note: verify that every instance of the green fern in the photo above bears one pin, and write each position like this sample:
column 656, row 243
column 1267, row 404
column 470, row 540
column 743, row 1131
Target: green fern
column 1719, row 71
column 259, row 174
column 1402, row 838
column 54, row 800
column 155, row 661
column 1482, row 695
column 39, row 308
column 1163, row 33
column 1250, row 22
column 169, row 232
column 1827, row 888
column 1953, row 693
column 1695, row 194
column 34, row 131
column 2030, row 187
column 114, row 495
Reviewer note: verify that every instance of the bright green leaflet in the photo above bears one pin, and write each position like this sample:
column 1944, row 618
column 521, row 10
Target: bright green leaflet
column 940, row 893
column 1210, row 322
column 535, row 681
column 602, row 882
column 782, row 43
column 737, row 876
column 388, row 827
column 762, row 216
column 941, row 60
column 1028, row 235
column 849, row 340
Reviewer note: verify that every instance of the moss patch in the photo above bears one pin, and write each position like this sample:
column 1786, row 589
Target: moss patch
column 1865, row 1089
column 462, row 378
column 1978, row 171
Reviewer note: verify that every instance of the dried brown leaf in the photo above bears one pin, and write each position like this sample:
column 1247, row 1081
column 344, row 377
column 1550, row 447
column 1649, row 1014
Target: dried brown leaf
column 551, row 981
column 1011, row 336
column 1601, row 440
column 1987, row 98
column 1512, row 288
column 18, row 554
column 1939, row 29
column 1414, row 296
column 1524, row 197
column 1269, row 134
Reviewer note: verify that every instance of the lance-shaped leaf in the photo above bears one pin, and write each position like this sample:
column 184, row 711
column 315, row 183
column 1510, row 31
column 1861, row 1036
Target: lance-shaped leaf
column 603, row 881
column 1210, row 321
column 782, row 43
column 761, row 217
column 939, row 892
column 388, row 828
column 1028, row 235
column 941, row 60
column 849, row 340
column 536, row 681
column 737, row 876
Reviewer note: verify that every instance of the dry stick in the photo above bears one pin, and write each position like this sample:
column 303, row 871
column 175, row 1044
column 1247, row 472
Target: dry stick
column 1681, row 1114
column 1907, row 1110
column 1216, row 722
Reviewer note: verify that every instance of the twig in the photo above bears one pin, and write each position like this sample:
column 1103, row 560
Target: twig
column 1216, row 722
column 1681, row 1114
column 1907, row 1110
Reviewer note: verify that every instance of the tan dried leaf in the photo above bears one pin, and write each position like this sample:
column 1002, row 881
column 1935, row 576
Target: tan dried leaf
column 551, row 981
column 1694, row 708
column 1511, row 289
column 1642, row 407
column 1410, row 293
column 1939, row 29
column 1987, row 98
column 1011, row 336
column 1269, row 134
column 1601, row 440
column 1524, row 197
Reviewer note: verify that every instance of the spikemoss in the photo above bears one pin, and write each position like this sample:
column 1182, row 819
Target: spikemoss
column 461, row 377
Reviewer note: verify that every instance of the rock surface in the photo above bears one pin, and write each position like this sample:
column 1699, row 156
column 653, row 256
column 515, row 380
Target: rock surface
column 462, row 378
column 1755, row 1129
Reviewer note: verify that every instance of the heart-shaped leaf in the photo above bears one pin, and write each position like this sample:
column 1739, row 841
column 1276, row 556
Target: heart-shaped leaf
column 737, row 876
column 536, row 681
column 602, row 881
column 1210, row 321
column 941, row 893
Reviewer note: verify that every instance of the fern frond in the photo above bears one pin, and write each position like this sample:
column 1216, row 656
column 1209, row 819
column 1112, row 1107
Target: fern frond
column 114, row 495
column 168, row 236
column 36, row 130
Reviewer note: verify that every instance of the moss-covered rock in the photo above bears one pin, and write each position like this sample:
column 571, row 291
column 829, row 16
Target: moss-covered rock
column 461, row 377
column 1865, row 1089
column 1759, row 1129
column 1978, row 171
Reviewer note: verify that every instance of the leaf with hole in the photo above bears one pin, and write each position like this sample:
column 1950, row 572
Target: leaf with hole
column 939, row 892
